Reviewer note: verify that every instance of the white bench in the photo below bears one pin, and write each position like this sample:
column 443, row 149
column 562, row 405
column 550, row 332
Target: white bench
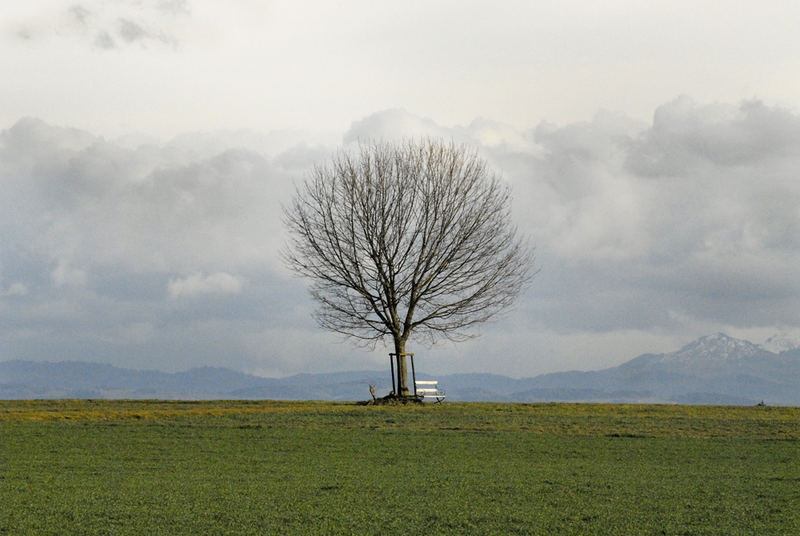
column 428, row 389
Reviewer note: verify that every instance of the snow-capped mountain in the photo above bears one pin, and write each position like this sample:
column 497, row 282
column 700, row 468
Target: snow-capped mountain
column 716, row 347
column 710, row 355
column 716, row 369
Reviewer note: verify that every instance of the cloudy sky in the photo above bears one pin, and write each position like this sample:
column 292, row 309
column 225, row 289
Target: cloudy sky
column 146, row 146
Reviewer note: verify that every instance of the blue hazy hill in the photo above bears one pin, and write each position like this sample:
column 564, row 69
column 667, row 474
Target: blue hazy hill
column 716, row 369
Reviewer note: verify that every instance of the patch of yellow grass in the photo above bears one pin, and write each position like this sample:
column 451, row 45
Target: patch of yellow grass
column 105, row 410
column 614, row 420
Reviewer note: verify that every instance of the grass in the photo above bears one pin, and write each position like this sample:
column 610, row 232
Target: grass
column 162, row 467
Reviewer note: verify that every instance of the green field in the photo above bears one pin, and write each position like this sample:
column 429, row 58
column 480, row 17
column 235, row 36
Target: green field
column 154, row 467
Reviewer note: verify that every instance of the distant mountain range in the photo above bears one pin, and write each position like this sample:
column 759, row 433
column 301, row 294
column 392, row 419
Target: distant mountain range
column 716, row 369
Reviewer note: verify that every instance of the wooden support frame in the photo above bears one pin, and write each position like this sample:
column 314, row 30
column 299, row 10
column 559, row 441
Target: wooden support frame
column 393, row 362
column 429, row 389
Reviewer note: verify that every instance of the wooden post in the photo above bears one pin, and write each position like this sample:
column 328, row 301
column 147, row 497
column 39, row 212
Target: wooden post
column 413, row 374
column 391, row 365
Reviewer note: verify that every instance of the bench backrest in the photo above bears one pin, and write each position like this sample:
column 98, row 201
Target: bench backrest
column 429, row 388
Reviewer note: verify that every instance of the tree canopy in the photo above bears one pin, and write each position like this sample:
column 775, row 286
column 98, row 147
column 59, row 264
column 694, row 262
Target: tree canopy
column 402, row 238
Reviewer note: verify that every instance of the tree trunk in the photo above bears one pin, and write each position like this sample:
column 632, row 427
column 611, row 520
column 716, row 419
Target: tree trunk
column 402, row 368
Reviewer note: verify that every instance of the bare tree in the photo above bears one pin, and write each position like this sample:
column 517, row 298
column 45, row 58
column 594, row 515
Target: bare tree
column 402, row 238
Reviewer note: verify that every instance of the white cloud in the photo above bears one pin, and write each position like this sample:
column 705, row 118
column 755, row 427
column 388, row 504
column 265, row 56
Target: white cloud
column 391, row 125
column 682, row 219
column 63, row 274
column 15, row 289
column 197, row 284
column 696, row 216
column 165, row 67
column 85, row 202
column 645, row 234
column 106, row 25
